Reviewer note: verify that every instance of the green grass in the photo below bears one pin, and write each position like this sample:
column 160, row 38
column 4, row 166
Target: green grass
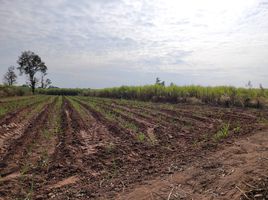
column 222, row 133
column 10, row 106
column 237, row 129
column 77, row 106
column 141, row 137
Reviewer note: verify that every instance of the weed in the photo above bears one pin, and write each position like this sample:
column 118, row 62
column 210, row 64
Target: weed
column 222, row 133
column 47, row 134
column 25, row 168
column 237, row 129
column 131, row 126
column 141, row 137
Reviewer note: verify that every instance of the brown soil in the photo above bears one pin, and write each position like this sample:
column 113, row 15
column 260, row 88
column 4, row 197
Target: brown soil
column 23, row 152
column 223, row 174
column 95, row 156
column 13, row 124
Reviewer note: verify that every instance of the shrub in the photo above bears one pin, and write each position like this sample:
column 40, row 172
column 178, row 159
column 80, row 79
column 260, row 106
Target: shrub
column 7, row 91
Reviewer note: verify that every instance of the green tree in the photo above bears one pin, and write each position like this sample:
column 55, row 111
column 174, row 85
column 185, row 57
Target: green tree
column 10, row 77
column 29, row 64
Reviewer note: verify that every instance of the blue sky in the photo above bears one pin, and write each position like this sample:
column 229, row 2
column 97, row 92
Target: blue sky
column 105, row 43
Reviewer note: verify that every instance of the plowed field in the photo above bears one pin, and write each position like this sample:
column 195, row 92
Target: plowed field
column 91, row 148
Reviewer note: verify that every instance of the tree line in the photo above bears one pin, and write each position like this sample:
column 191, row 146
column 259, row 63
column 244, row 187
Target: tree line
column 29, row 64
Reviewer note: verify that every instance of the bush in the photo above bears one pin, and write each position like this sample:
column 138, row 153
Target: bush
column 7, row 91
column 59, row 91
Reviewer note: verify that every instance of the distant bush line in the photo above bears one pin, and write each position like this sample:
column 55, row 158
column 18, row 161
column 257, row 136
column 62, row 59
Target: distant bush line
column 60, row 91
column 7, row 91
column 220, row 95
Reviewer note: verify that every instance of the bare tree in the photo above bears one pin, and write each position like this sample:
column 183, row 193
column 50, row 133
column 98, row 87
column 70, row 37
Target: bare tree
column 10, row 77
column 30, row 64
column 45, row 82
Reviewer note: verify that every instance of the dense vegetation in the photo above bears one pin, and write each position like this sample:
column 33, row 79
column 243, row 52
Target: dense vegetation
column 221, row 95
column 7, row 91
column 60, row 91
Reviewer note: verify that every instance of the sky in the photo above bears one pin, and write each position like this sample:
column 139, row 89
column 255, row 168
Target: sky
column 107, row 43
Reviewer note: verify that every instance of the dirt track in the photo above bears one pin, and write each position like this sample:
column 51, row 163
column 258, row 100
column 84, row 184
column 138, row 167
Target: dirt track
column 81, row 148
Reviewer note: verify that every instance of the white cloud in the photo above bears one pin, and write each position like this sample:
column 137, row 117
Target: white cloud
column 161, row 37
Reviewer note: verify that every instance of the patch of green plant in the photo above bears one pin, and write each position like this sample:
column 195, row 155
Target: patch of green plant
column 218, row 95
column 222, row 133
column 10, row 106
column 47, row 134
column 38, row 108
column 237, row 129
column 141, row 137
column 77, row 106
column 131, row 126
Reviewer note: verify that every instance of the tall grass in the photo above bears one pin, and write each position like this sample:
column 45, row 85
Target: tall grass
column 220, row 95
column 226, row 95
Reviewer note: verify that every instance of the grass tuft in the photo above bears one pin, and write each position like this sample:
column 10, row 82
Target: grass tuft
column 222, row 133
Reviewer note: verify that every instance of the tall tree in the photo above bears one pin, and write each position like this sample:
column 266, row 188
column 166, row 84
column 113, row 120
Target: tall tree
column 10, row 77
column 29, row 64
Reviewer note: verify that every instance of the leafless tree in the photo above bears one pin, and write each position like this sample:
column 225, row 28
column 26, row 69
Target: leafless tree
column 45, row 82
column 10, row 77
